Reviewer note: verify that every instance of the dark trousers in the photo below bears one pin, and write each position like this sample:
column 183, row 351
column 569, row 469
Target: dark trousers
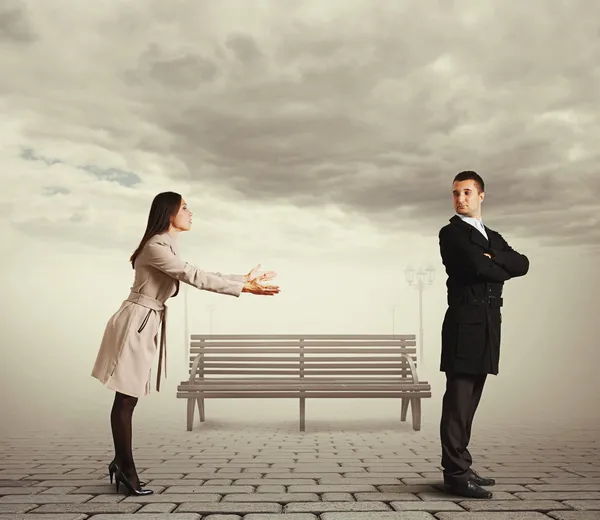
column 463, row 392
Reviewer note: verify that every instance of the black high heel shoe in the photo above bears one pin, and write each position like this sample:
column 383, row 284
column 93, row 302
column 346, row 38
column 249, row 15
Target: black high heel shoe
column 121, row 478
column 113, row 468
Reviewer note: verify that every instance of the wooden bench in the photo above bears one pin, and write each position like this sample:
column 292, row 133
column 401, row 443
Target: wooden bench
column 303, row 367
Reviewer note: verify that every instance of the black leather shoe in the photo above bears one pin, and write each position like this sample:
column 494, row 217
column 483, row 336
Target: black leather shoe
column 481, row 481
column 467, row 489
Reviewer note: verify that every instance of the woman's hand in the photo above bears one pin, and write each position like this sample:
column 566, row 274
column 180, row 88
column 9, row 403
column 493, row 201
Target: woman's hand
column 260, row 276
column 255, row 287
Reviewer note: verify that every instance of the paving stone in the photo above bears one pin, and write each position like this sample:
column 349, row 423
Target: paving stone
column 342, row 488
column 279, row 516
column 559, row 495
column 177, row 498
column 157, row 508
column 220, row 490
column 175, row 482
column 513, row 505
column 280, row 498
column 76, row 483
column 493, row 515
column 146, row 516
column 383, row 515
column 44, row 499
column 381, row 481
column 229, row 507
column 322, row 507
column 573, row 515
column 112, row 498
column 439, row 496
column 24, row 490
column 50, row 516
column 337, row 497
column 403, row 488
column 385, row 497
column 16, row 508
column 274, row 482
column 60, row 490
column 223, row 517
column 590, row 505
column 583, row 486
column 89, row 508
column 425, row 505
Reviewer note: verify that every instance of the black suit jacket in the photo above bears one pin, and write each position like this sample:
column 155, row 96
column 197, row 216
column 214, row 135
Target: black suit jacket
column 471, row 327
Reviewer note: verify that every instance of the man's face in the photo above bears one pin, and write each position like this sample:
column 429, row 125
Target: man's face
column 467, row 200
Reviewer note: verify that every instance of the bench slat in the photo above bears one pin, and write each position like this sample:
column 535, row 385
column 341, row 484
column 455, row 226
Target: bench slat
column 307, row 366
column 306, row 350
column 298, row 343
column 309, row 395
column 196, row 385
column 307, row 359
column 269, row 337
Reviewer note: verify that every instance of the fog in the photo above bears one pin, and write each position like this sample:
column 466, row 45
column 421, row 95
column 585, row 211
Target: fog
column 59, row 301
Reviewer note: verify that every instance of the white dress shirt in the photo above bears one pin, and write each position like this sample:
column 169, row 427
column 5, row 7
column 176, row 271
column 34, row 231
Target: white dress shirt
column 476, row 223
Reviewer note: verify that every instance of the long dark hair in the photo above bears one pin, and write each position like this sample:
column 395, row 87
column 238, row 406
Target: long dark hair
column 164, row 206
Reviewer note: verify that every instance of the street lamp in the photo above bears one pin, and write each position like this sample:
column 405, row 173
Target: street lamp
column 420, row 280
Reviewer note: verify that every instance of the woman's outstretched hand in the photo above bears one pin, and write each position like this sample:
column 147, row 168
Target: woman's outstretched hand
column 255, row 287
column 260, row 276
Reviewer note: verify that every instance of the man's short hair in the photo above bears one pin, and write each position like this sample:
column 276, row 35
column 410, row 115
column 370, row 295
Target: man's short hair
column 473, row 176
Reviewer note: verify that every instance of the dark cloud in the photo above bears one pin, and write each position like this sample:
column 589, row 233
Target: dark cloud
column 373, row 108
column 124, row 178
column 56, row 190
column 15, row 23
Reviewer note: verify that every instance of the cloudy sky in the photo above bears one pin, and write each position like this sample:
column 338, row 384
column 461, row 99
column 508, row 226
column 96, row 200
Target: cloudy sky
column 318, row 138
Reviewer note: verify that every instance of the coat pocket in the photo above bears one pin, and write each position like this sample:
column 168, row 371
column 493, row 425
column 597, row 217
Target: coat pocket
column 145, row 321
column 471, row 332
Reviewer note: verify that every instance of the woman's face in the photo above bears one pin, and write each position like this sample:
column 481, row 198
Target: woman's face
column 183, row 220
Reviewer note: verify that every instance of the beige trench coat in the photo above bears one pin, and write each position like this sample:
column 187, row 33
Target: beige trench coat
column 130, row 339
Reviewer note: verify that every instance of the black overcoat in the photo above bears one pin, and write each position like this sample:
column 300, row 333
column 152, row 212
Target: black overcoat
column 472, row 323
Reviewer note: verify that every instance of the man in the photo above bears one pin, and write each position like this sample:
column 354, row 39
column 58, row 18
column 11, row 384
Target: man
column 478, row 261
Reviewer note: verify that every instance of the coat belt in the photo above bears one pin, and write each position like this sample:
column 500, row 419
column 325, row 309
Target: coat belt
column 486, row 301
column 154, row 305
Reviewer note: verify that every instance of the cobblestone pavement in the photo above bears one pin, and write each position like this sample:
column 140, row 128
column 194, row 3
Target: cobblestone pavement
column 241, row 470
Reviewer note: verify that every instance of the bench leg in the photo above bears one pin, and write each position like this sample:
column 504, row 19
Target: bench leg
column 405, row 403
column 415, row 405
column 302, row 414
column 201, row 408
column 191, row 403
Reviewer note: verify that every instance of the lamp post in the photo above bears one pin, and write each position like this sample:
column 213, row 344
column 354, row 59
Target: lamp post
column 420, row 280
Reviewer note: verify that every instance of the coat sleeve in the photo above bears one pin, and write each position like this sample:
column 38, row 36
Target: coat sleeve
column 159, row 255
column 236, row 277
column 462, row 259
column 515, row 263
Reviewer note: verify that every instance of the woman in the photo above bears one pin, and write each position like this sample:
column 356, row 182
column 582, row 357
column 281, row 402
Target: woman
column 130, row 341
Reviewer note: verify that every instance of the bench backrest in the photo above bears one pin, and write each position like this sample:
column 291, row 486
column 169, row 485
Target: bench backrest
column 312, row 356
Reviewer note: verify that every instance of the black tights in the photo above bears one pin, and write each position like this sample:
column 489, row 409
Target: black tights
column 120, row 421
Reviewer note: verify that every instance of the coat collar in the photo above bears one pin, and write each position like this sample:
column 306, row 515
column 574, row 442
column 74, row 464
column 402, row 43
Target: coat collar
column 475, row 234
